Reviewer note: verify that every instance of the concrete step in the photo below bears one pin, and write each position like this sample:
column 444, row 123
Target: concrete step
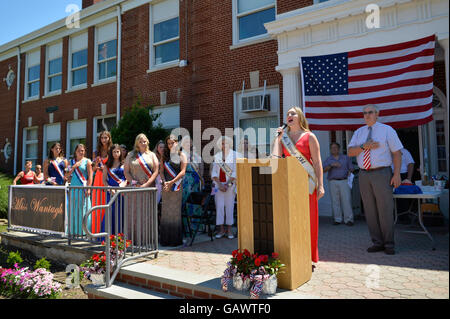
column 120, row 290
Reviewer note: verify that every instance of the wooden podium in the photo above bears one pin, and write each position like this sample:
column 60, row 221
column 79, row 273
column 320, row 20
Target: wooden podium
column 273, row 214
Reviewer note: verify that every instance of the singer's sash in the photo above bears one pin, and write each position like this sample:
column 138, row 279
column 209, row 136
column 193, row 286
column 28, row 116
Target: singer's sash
column 173, row 174
column 226, row 169
column 114, row 176
column 197, row 171
column 143, row 164
column 293, row 151
column 56, row 166
column 79, row 174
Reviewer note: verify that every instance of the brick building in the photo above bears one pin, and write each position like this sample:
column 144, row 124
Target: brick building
column 192, row 60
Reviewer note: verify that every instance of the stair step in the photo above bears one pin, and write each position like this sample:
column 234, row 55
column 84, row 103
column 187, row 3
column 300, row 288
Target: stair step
column 120, row 290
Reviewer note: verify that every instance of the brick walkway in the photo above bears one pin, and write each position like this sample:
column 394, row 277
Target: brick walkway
column 345, row 269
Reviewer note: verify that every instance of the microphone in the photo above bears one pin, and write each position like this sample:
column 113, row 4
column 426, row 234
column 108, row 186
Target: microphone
column 283, row 127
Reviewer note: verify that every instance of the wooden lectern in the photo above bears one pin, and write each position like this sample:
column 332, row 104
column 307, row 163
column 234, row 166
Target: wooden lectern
column 273, row 214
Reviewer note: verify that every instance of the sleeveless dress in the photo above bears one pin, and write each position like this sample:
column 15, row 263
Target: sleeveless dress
column 98, row 196
column 53, row 173
column 27, row 179
column 119, row 172
column 191, row 183
column 303, row 146
column 80, row 203
column 171, row 232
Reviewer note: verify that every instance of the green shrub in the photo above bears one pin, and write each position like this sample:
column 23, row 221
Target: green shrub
column 14, row 258
column 5, row 181
column 42, row 263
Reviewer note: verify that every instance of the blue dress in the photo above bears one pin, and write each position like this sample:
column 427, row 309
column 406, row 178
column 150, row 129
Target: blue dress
column 191, row 183
column 52, row 172
column 119, row 172
column 80, row 203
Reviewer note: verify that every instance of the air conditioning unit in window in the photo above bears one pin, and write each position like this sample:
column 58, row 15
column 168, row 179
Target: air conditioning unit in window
column 255, row 103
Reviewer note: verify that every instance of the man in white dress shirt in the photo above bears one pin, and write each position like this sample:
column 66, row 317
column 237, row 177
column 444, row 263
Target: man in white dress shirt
column 376, row 146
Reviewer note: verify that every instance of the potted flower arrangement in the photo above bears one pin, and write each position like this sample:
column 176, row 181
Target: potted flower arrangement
column 94, row 268
column 252, row 270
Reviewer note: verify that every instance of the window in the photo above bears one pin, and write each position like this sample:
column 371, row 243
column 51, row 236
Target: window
column 54, row 68
column 33, row 74
column 164, row 33
column 78, row 60
column 102, row 123
column 106, row 55
column 250, row 16
column 169, row 116
column 52, row 134
column 30, row 145
column 258, row 126
column 76, row 134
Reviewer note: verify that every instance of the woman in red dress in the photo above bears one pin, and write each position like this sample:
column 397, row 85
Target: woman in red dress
column 307, row 143
column 27, row 176
column 99, row 159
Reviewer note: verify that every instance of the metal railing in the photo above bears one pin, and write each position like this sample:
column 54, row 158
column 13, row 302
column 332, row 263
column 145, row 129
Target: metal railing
column 131, row 212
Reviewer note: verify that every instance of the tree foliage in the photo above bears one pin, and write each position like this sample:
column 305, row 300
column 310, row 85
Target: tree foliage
column 138, row 119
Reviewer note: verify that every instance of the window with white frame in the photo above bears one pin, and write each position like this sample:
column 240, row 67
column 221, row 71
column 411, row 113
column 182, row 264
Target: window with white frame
column 78, row 60
column 164, row 33
column 102, row 123
column 76, row 134
column 169, row 116
column 106, row 53
column 52, row 135
column 33, row 74
column 249, row 18
column 258, row 123
column 54, row 68
column 30, row 145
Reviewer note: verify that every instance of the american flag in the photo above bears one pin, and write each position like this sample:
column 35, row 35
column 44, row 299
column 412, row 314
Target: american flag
column 397, row 78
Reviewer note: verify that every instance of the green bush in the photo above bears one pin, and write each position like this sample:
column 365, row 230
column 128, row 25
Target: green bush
column 14, row 258
column 136, row 120
column 42, row 263
column 5, row 181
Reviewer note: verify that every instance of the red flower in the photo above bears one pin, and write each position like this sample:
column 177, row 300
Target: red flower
column 239, row 256
column 275, row 255
column 264, row 258
column 234, row 253
column 95, row 257
column 257, row 262
column 246, row 253
column 254, row 256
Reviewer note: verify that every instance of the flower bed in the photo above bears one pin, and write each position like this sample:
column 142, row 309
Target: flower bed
column 22, row 283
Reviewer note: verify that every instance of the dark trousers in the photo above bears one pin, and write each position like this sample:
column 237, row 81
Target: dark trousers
column 376, row 195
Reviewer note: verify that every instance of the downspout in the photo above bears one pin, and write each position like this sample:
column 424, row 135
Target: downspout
column 119, row 60
column 16, row 131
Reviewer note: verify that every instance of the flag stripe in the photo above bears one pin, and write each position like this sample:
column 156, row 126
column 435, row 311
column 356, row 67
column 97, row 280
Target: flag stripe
column 341, row 127
column 393, row 47
column 367, row 77
column 387, row 86
column 392, row 79
column 390, row 61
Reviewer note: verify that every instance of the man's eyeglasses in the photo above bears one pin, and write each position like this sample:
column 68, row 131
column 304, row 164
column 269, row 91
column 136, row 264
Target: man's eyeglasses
column 368, row 112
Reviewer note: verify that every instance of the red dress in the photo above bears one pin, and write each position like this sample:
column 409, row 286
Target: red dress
column 27, row 179
column 303, row 146
column 98, row 198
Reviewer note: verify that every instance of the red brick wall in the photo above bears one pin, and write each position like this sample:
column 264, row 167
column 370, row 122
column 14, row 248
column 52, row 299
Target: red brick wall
column 87, row 3
column 284, row 6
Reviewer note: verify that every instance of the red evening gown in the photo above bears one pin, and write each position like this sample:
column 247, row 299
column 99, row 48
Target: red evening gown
column 303, row 146
column 98, row 198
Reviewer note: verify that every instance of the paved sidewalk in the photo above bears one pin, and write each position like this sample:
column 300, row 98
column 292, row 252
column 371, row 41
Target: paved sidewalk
column 345, row 269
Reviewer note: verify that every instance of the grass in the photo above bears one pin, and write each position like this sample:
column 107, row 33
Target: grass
column 5, row 181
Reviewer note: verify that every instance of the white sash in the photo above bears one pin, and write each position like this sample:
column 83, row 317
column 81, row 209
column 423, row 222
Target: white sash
column 172, row 173
column 56, row 166
column 79, row 174
column 114, row 176
column 143, row 164
column 226, row 169
column 293, row 151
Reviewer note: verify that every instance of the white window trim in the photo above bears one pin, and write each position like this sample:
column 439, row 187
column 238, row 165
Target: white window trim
column 166, row 65
column 68, row 137
column 26, row 142
column 44, row 144
column 111, row 79
column 70, row 87
column 47, row 92
column 159, row 107
column 252, row 40
column 94, row 129
column 35, row 97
